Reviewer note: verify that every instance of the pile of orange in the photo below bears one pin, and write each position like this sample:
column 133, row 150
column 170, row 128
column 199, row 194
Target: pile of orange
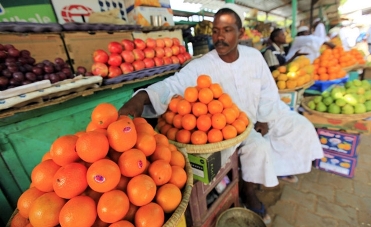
column 118, row 172
column 329, row 66
column 205, row 115
column 357, row 54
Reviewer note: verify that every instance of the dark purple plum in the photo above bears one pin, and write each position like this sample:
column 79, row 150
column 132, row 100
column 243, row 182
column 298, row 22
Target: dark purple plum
column 31, row 76
column 13, row 52
column 25, row 53
column 37, row 70
column 54, row 78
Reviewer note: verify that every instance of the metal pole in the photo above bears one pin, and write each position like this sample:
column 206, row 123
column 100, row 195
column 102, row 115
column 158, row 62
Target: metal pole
column 311, row 15
column 229, row 1
column 294, row 4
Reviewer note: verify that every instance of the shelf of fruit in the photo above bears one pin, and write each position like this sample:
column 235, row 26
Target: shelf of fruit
column 205, row 120
column 351, row 101
column 91, row 178
column 295, row 76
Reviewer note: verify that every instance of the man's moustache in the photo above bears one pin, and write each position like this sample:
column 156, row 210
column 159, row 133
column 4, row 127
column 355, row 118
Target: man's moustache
column 221, row 43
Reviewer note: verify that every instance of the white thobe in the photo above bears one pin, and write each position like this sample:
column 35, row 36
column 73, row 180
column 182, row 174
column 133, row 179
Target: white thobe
column 309, row 44
column 320, row 32
column 291, row 143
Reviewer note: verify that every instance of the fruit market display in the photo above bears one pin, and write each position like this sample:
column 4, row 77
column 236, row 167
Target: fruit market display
column 295, row 74
column 118, row 172
column 358, row 55
column 17, row 68
column 128, row 56
column 329, row 66
column 204, row 115
column 253, row 34
column 352, row 98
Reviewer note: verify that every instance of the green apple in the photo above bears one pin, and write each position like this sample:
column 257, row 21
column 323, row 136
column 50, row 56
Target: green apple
column 368, row 105
column 359, row 108
column 321, row 107
column 348, row 84
column 340, row 102
column 357, row 83
column 347, row 109
column 327, row 101
column 367, row 95
column 311, row 105
column 350, row 99
column 334, row 109
column 336, row 93
column 317, row 99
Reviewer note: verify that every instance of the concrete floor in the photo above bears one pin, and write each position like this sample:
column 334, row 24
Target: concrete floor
column 324, row 199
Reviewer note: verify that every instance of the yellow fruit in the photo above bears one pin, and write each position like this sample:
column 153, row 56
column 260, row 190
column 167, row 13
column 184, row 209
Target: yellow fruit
column 282, row 77
column 282, row 69
column 307, row 78
column 290, row 84
column 281, row 85
column 275, row 74
column 293, row 66
column 309, row 69
column 300, row 81
column 291, row 75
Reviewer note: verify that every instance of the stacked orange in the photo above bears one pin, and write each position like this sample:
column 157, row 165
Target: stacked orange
column 205, row 115
column 329, row 65
column 118, row 172
column 357, row 54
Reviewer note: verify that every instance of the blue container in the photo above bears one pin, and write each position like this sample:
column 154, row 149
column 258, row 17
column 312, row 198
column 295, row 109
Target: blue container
column 321, row 86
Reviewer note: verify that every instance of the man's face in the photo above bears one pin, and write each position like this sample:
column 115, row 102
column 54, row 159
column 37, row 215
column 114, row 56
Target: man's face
column 225, row 34
column 280, row 38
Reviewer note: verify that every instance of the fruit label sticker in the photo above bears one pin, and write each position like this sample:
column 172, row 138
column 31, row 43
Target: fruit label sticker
column 126, row 129
column 338, row 142
column 99, row 178
column 140, row 164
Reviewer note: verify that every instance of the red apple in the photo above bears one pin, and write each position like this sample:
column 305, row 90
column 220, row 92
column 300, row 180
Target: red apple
column 139, row 44
column 114, row 71
column 149, row 52
column 176, row 41
column 115, row 60
column 138, row 54
column 168, row 52
column 114, row 48
column 151, row 43
column 99, row 69
column 100, row 56
column 167, row 60
column 175, row 59
column 159, row 52
column 181, row 58
column 182, row 49
column 138, row 65
column 128, row 56
column 187, row 56
column 168, row 42
column 126, row 68
column 149, row 63
column 158, row 61
column 127, row 44
column 175, row 50
column 160, row 43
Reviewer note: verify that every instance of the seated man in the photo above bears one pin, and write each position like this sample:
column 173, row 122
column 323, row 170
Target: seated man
column 290, row 142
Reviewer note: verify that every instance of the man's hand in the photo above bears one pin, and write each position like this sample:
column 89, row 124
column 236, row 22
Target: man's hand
column 135, row 105
column 297, row 54
column 261, row 127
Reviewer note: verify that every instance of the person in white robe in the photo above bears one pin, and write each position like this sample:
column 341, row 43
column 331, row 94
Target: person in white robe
column 319, row 29
column 290, row 142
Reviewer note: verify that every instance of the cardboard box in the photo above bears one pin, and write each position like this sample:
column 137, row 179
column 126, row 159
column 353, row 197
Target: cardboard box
column 130, row 4
column 81, row 45
column 338, row 142
column 290, row 98
column 337, row 164
column 357, row 126
column 159, row 34
column 205, row 166
column 79, row 11
column 41, row 46
column 141, row 15
column 36, row 11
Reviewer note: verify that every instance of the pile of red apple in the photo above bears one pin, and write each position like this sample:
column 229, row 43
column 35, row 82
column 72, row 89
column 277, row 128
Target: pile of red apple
column 129, row 56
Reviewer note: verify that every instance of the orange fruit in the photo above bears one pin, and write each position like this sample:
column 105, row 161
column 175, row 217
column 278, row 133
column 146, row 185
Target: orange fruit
column 218, row 121
column 165, row 128
column 199, row 137
column 183, row 136
column 173, row 104
column 239, row 125
column 226, row 100
column 122, row 223
column 63, row 150
column 100, row 130
column 215, row 106
column 189, row 121
column 203, row 123
column 161, row 139
column 184, row 107
column 46, row 156
column 26, row 199
column 214, row 135
column 42, row 175
column 162, row 152
column 141, row 190
column 178, row 176
column 19, row 221
column 160, row 124
column 144, row 127
column 139, row 120
column 104, row 114
column 131, row 213
column 122, row 130
column 91, row 127
column 229, row 132
column 203, row 81
column 177, row 159
column 146, row 143
column 169, row 116
column 78, row 211
column 103, row 175
column 171, row 133
column 235, row 107
column 199, row 109
column 150, row 215
column 123, row 183
column 92, row 146
column 168, row 196
column 244, row 118
column 45, row 210
column 177, row 121
column 70, row 180
column 160, row 171
column 191, row 94
column 113, row 206
column 217, row 90
column 132, row 162
column 230, row 115
column 205, row 95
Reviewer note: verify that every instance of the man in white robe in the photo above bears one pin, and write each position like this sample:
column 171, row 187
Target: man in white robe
column 319, row 29
column 291, row 143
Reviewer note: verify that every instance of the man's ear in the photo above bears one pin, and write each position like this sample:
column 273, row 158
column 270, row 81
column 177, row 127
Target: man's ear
column 241, row 32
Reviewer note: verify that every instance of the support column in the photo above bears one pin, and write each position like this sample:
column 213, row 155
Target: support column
column 294, row 4
column 229, row 1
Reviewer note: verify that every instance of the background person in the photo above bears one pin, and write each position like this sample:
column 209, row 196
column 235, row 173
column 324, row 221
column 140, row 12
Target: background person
column 319, row 29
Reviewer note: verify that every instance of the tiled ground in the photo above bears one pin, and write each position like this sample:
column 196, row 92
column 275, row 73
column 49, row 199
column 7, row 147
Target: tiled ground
column 324, row 199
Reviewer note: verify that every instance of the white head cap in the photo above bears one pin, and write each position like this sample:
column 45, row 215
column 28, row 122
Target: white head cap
column 236, row 9
column 316, row 20
column 303, row 29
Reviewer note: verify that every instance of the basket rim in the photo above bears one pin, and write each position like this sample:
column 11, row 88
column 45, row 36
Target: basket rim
column 354, row 117
column 304, row 86
column 238, row 209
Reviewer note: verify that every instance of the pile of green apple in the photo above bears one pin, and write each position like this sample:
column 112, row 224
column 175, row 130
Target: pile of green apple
column 352, row 98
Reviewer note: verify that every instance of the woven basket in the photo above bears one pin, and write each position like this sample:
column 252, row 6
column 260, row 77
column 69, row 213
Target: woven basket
column 214, row 147
column 348, row 117
column 304, row 86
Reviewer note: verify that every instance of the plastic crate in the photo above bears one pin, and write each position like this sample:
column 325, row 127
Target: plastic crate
column 321, row 86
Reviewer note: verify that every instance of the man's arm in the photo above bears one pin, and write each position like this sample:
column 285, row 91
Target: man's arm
column 271, row 60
